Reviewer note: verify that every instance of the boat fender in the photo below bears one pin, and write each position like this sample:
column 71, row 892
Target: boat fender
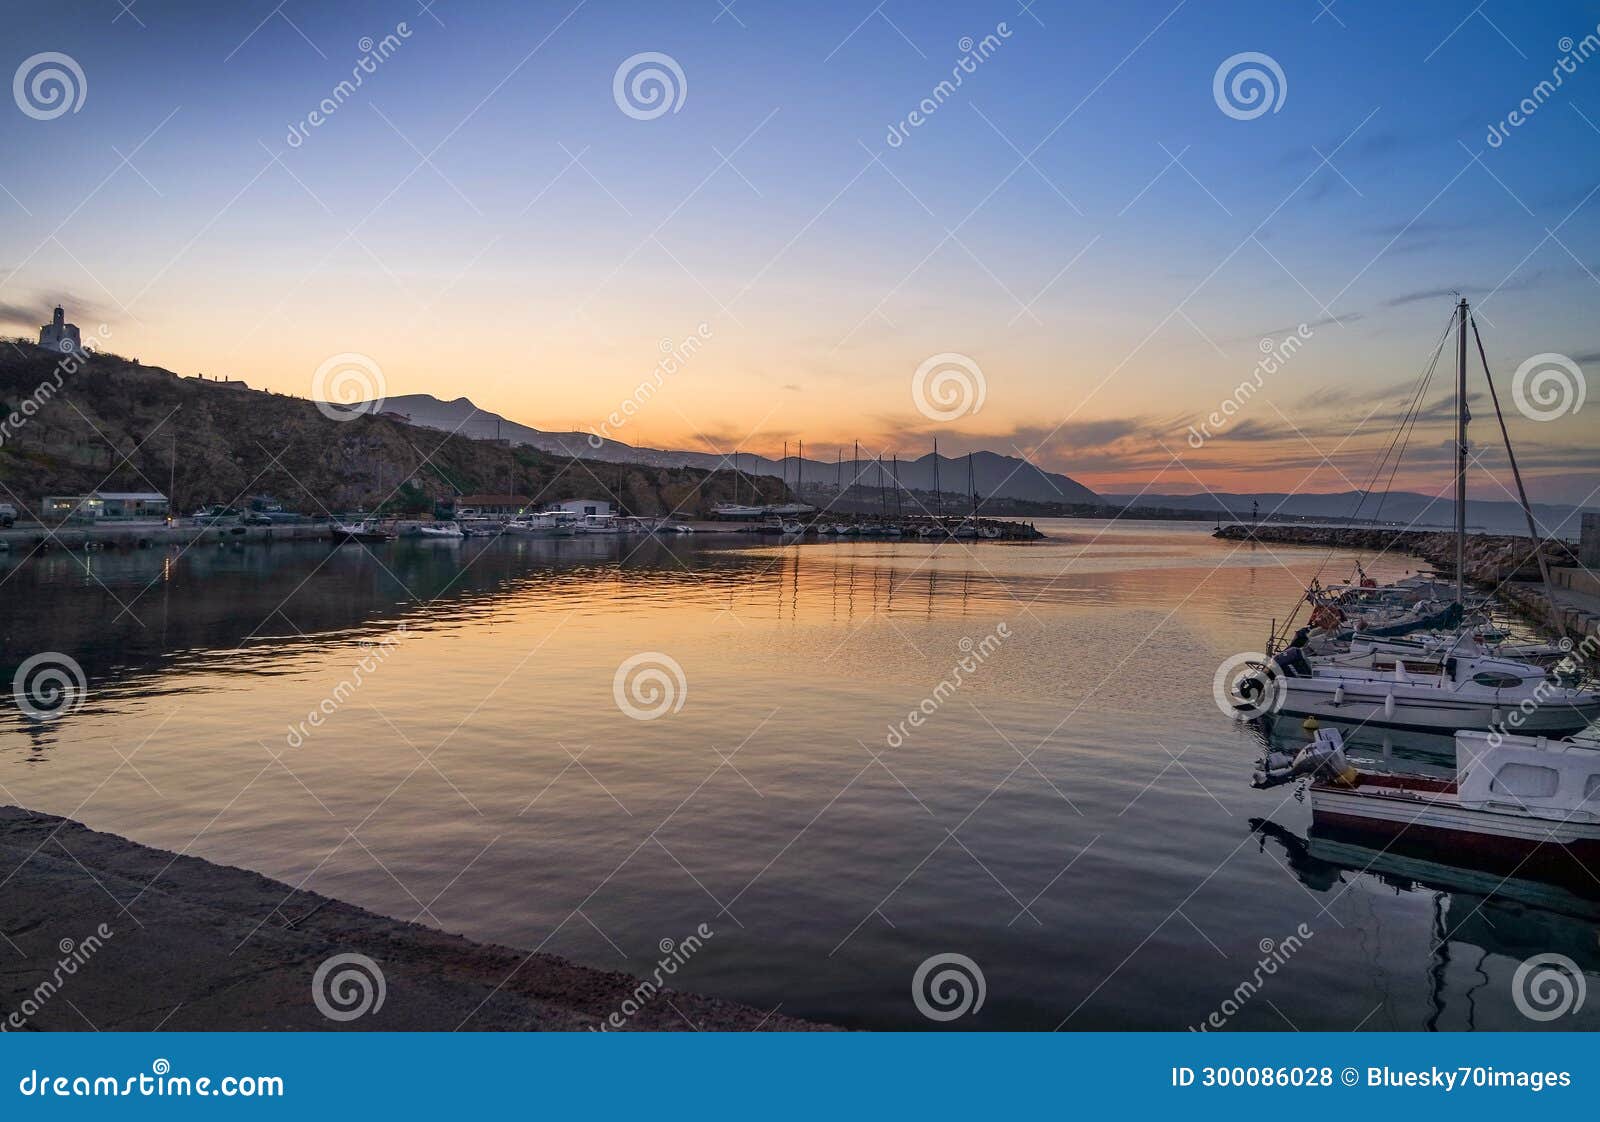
column 1388, row 704
column 1310, row 724
column 1338, row 694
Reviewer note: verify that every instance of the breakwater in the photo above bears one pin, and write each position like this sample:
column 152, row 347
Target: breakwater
column 1504, row 563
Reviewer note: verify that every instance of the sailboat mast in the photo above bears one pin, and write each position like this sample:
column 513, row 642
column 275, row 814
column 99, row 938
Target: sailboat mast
column 800, row 472
column 1461, row 451
column 972, row 486
column 898, row 509
column 938, row 495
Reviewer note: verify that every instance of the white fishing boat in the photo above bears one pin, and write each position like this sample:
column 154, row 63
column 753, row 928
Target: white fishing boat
column 447, row 531
column 791, row 527
column 1529, row 800
column 1456, row 692
column 598, row 524
column 368, row 531
column 737, row 511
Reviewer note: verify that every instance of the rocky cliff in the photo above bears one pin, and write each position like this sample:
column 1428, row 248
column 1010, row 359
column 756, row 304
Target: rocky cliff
column 109, row 423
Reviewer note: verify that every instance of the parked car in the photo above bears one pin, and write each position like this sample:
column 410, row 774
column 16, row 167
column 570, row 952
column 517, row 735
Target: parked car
column 8, row 514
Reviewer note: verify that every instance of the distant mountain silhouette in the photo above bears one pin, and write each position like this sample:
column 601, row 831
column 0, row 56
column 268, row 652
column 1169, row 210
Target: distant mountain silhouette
column 995, row 475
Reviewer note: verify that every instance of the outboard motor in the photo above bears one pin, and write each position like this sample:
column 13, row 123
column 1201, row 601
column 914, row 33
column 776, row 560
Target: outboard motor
column 1323, row 758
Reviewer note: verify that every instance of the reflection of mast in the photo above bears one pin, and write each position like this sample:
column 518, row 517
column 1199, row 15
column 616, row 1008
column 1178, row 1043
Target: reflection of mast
column 1440, row 959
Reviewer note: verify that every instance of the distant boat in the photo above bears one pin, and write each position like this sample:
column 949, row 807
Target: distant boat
column 366, row 531
column 440, row 530
column 737, row 510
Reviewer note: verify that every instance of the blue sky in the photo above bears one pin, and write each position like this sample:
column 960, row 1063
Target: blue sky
column 1113, row 286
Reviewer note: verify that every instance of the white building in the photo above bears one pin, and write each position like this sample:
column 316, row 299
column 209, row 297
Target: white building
column 97, row 506
column 60, row 335
column 583, row 508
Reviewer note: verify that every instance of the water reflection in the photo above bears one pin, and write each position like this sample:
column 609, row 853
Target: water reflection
column 1511, row 917
column 1083, row 771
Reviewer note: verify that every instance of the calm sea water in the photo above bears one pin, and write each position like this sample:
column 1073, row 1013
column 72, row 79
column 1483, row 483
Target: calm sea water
column 1074, row 816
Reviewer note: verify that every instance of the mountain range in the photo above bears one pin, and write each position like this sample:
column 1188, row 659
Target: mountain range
column 994, row 475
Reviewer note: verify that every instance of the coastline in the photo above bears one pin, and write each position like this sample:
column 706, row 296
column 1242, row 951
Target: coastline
column 121, row 936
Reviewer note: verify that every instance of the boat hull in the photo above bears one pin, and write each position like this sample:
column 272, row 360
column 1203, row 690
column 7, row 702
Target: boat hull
column 1415, row 710
column 1530, row 846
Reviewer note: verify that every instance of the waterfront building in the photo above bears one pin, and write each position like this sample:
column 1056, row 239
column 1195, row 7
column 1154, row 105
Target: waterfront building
column 584, row 508
column 492, row 506
column 102, row 506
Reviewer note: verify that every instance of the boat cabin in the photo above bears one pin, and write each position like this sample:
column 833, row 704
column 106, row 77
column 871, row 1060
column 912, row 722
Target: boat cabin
column 1526, row 774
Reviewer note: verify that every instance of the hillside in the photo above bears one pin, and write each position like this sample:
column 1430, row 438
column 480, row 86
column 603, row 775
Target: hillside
column 997, row 475
column 113, row 424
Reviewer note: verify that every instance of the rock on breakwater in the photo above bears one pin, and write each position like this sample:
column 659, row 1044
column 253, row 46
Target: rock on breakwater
column 1490, row 558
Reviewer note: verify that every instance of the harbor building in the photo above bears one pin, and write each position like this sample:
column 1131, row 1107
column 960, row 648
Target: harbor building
column 492, row 506
column 59, row 335
column 105, row 506
column 585, row 508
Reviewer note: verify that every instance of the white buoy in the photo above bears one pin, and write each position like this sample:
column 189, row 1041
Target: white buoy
column 1338, row 694
column 1388, row 704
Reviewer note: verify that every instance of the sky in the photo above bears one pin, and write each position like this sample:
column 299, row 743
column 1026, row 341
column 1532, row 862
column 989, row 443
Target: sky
column 1085, row 246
